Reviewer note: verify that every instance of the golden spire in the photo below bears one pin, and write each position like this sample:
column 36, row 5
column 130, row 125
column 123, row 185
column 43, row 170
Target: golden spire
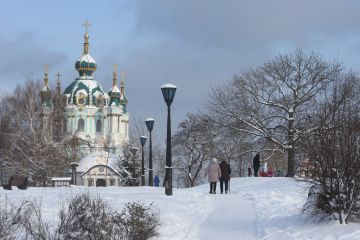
column 86, row 37
column 122, row 84
column 115, row 74
column 46, row 78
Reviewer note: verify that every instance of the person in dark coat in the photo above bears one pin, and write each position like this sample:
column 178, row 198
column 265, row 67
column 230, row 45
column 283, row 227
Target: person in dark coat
column 156, row 181
column 225, row 176
column 249, row 170
column 256, row 164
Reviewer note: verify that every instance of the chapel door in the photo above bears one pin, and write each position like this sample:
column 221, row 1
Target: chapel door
column 100, row 183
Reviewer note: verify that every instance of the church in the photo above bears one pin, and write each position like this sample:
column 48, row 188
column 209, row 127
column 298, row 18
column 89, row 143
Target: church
column 99, row 118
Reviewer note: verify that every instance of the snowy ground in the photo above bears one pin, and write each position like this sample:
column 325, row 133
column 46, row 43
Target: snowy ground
column 256, row 208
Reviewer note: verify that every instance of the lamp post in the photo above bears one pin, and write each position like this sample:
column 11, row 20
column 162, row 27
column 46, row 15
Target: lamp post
column 73, row 166
column 133, row 151
column 150, row 125
column 142, row 141
column 168, row 91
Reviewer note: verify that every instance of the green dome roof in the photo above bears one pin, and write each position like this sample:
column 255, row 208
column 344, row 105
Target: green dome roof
column 86, row 65
column 86, row 91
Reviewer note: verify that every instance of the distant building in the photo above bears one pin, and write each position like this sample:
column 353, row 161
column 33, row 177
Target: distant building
column 93, row 115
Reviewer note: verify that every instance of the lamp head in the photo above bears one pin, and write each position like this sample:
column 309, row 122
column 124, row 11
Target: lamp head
column 143, row 140
column 149, row 123
column 168, row 90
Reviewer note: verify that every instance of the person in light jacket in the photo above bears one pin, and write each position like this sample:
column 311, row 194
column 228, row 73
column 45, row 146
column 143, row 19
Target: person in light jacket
column 214, row 174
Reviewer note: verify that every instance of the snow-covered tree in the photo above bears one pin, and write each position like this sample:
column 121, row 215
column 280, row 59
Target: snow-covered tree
column 272, row 100
column 129, row 165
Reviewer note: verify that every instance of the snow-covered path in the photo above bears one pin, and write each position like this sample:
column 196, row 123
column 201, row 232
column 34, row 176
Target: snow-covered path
column 256, row 208
column 232, row 215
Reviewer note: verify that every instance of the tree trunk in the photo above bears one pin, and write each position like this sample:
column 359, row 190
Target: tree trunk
column 291, row 150
column 291, row 162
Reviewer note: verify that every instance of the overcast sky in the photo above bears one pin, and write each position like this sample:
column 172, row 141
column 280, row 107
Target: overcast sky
column 195, row 45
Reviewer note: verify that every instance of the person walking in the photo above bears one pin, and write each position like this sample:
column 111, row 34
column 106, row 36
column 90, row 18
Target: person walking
column 256, row 164
column 156, row 181
column 225, row 176
column 214, row 174
column 249, row 170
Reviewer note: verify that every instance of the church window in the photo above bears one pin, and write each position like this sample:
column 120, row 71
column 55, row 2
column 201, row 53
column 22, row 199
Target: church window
column 101, row 169
column 99, row 126
column 112, row 182
column 99, row 102
column 81, row 125
column 90, row 182
column 81, row 100
column 118, row 124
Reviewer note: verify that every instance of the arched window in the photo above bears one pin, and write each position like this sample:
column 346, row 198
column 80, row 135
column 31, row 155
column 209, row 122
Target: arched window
column 81, row 125
column 98, row 126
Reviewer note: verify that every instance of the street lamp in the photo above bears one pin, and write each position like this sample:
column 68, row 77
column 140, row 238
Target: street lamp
column 142, row 141
column 73, row 166
column 150, row 124
column 168, row 90
column 133, row 151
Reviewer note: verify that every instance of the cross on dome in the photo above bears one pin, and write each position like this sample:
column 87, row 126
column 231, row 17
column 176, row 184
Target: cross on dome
column 123, row 74
column 46, row 67
column 86, row 25
column 58, row 77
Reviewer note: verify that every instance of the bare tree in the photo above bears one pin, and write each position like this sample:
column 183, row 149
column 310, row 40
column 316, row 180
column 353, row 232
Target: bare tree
column 27, row 136
column 334, row 154
column 272, row 100
column 191, row 146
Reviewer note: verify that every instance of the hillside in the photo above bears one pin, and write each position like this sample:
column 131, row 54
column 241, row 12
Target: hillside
column 256, row 208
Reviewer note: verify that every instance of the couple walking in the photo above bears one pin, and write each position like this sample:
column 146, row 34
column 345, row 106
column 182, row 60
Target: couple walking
column 218, row 172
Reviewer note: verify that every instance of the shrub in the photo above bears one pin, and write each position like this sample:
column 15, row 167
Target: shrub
column 85, row 218
column 139, row 221
column 89, row 219
column 23, row 222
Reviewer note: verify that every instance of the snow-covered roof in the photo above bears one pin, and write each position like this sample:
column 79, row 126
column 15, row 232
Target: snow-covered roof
column 101, row 165
column 86, row 58
column 114, row 89
column 168, row 85
column 97, row 158
column 61, row 179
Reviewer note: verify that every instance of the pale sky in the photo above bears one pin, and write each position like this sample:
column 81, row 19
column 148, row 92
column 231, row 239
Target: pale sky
column 195, row 45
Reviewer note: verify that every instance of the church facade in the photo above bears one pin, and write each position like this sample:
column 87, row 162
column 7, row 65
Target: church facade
column 95, row 116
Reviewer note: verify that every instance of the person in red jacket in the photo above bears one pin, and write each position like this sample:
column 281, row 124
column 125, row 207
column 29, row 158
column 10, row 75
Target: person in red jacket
column 225, row 176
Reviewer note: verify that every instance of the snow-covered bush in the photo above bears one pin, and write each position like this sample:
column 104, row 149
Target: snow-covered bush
column 88, row 218
column 23, row 222
column 85, row 218
column 317, row 204
column 139, row 221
